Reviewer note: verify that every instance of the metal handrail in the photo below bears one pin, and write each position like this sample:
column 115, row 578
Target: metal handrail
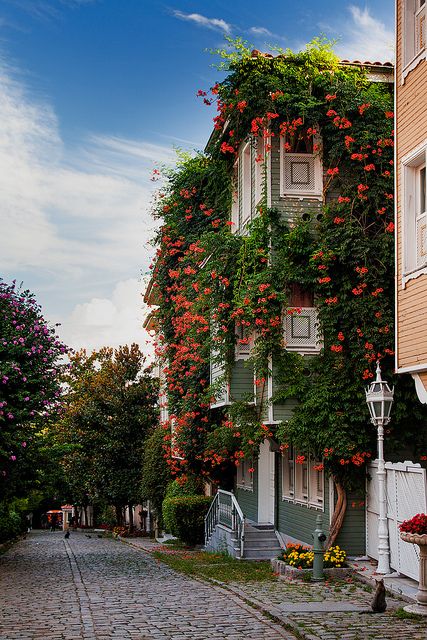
column 226, row 511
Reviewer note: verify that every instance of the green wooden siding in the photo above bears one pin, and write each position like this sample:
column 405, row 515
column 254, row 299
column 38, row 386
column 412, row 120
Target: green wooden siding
column 352, row 537
column 248, row 500
column 242, row 381
column 262, row 401
column 299, row 520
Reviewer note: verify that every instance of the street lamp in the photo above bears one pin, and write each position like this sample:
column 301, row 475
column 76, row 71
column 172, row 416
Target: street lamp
column 379, row 398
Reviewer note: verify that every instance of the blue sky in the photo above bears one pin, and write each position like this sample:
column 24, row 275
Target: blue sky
column 94, row 93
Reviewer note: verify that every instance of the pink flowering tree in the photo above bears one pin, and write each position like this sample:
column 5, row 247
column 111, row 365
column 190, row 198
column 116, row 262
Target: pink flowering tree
column 30, row 357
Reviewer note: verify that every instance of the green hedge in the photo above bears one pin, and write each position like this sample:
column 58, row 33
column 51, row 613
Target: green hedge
column 11, row 525
column 184, row 517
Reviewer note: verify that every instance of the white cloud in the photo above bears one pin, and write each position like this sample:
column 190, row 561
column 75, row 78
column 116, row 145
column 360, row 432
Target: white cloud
column 112, row 321
column 365, row 37
column 211, row 23
column 261, row 31
column 73, row 222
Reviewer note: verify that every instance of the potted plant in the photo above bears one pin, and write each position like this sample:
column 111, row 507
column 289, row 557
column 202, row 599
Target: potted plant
column 414, row 531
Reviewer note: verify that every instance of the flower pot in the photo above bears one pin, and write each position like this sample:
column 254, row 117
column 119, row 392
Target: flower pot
column 421, row 541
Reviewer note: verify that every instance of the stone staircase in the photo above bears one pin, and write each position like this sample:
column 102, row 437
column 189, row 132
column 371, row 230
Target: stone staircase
column 261, row 542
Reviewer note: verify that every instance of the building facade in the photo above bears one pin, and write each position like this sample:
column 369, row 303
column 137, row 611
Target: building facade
column 411, row 209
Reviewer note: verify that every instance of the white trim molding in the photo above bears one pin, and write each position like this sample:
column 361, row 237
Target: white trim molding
column 412, row 368
column 420, row 388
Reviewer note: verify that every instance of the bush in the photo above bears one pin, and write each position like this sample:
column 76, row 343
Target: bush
column 10, row 525
column 155, row 471
column 191, row 487
column 184, row 517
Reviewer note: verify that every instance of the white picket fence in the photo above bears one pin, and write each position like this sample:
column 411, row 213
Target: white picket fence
column 406, row 496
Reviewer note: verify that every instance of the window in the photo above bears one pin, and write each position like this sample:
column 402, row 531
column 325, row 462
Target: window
column 259, row 169
column 288, row 473
column 414, row 214
column 300, row 168
column 414, row 31
column 175, row 452
column 245, row 475
column 245, row 185
column 302, row 479
column 301, row 321
column 244, row 343
column 235, row 218
column 217, row 372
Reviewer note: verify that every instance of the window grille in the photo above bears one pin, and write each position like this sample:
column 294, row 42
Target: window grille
column 244, row 343
column 301, row 174
column 301, row 329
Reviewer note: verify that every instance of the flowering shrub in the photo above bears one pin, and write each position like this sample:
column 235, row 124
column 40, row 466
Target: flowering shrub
column 30, row 392
column 301, row 557
column 417, row 524
column 298, row 555
column 210, row 281
column 334, row 557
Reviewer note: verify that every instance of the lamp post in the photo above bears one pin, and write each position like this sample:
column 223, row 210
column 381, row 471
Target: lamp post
column 379, row 398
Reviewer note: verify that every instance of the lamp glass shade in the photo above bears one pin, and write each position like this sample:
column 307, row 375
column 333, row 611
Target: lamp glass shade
column 379, row 398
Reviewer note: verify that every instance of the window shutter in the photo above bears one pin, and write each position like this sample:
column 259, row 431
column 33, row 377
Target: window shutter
column 217, row 371
column 316, row 484
column 288, row 473
column 420, row 26
column 301, row 329
column 235, row 206
column 421, row 224
column 299, row 174
column 243, row 349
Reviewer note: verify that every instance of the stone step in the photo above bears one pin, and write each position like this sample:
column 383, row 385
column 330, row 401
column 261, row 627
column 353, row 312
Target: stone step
column 268, row 543
column 260, row 527
column 261, row 554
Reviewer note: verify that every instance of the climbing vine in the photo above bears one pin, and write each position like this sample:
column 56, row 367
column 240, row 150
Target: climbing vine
column 210, row 280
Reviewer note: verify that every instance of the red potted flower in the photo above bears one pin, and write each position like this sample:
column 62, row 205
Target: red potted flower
column 415, row 529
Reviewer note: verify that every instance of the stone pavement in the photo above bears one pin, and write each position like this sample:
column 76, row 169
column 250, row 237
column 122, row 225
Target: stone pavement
column 335, row 610
column 96, row 589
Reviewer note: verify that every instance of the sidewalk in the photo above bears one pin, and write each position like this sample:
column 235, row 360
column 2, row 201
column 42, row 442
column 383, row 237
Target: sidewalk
column 332, row 610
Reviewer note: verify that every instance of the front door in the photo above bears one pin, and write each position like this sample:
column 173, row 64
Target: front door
column 266, row 484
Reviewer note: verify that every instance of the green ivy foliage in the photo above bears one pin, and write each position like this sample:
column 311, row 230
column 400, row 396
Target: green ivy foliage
column 208, row 278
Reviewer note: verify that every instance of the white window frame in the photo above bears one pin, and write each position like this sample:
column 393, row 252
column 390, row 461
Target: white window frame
column 173, row 439
column 259, row 170
column 413, row 221
column 245, row 184
column 413, row 34
column 235, row 211
column 285, row 156
column 217, row 373
column 245, row 478
column 301, row 482
column 288, row 474
column 313, row 343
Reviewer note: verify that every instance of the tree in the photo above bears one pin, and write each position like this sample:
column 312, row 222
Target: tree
column 110, row 407
column 30, row 356
column 155, row 471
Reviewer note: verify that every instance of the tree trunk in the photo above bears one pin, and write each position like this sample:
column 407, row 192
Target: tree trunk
column 119, row 514
column 131, row 521
column 85, row 514
column 339, row 513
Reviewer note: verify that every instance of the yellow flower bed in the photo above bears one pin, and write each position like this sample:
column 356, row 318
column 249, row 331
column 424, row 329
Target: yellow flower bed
column 301, row 557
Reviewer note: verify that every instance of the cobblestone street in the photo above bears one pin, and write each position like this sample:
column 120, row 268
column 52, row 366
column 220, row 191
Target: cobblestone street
column 53, row 589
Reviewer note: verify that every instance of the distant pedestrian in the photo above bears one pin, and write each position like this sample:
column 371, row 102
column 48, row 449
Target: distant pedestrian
column 53, row 522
